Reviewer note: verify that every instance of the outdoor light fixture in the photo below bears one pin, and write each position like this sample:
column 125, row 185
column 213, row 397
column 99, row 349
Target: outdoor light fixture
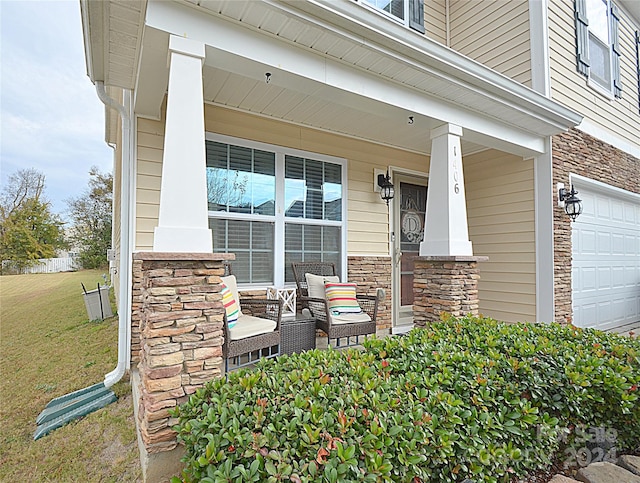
column 386, row 187
column 572, row 204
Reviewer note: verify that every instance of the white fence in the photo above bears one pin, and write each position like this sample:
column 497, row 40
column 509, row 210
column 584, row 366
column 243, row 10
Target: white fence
column 49, row 265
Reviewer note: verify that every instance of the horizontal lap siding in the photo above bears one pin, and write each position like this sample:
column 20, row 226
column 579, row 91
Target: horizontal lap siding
column 495, row 33
column 150, row 141
column 619, row 117
column 500, row 205
column 368, row 220
column 435, row 20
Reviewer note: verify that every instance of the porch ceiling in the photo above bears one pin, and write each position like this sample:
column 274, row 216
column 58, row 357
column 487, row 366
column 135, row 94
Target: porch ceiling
column 240, row 84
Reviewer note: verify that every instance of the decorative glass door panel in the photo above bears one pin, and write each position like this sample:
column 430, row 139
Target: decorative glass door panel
column 413, row 200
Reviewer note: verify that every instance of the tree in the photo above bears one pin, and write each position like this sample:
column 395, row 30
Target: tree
column 91, row 219
column 28, row 229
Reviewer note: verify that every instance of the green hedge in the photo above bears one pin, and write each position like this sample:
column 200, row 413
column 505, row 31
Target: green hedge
column 469, row 398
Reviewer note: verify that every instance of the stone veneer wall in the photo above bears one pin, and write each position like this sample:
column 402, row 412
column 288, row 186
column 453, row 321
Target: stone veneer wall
column 136, row 311
column 371, row 273
column 445, row 285
column 575, row 152
column 180, row 316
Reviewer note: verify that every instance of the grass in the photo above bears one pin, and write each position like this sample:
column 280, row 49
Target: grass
column 49, row 348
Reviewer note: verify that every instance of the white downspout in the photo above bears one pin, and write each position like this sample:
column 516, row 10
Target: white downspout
column 124, row 311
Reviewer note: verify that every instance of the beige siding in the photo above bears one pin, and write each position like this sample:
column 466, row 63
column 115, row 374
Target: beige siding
column 149, row 145
column 500, row 204
column 435, row 20
column 368, row 232
column 618, row 117
column 495, row 33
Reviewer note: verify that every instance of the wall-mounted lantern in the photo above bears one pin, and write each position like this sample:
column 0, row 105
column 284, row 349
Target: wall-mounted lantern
column 568, row 199
column 386, row 187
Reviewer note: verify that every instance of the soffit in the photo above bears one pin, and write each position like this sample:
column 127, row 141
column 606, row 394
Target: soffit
column 112, row 37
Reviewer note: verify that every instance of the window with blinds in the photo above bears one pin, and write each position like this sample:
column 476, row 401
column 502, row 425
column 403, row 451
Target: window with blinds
column 272, row 207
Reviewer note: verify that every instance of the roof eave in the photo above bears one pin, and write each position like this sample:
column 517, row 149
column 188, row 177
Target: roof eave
column 407, row 43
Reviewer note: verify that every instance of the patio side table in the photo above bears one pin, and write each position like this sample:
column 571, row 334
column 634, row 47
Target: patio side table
column 297, row 334
column 288, row 297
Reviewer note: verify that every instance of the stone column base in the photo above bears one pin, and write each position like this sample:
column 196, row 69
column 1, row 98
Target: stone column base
column 180, row 335
column 156, row 467
column 445, row 285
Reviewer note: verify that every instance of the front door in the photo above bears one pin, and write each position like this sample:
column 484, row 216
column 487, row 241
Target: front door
column 408, row 231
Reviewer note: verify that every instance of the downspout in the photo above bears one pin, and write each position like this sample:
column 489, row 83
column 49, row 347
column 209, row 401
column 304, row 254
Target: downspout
column 124, row 311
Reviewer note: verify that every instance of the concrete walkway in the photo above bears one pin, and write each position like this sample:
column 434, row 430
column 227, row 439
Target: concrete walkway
column 632, row 329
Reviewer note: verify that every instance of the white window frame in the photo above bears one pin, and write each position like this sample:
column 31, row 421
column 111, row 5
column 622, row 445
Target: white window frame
column 606, row 91
column 279, row 219
column 389, row 15
column 614, row 88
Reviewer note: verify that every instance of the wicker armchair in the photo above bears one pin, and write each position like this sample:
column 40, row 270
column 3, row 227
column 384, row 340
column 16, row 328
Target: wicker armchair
column 319, row 307
column 240, row 352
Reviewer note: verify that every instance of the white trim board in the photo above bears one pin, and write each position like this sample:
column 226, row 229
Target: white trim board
column 603, row 187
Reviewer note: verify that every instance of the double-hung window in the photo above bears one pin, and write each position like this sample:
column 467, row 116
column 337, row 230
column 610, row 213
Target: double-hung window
column 272, row 206
column 597, row 44
column 408, row 12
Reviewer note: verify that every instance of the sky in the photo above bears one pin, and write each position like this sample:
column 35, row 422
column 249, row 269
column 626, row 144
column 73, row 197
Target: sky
column 50, row 116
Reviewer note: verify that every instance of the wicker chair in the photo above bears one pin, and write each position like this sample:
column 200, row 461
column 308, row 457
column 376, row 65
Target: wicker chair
column 239, row 353
column 319, row 308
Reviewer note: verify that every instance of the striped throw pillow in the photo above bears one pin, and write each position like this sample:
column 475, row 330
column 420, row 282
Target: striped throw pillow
column 230, row 306
column 341, row 298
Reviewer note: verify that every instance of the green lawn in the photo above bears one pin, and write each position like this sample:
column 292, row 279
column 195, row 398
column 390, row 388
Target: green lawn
column 49, row 348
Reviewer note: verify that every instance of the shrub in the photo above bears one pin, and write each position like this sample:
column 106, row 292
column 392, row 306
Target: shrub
column 469, row 398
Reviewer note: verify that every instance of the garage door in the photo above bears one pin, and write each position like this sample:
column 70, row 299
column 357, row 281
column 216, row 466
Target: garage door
column 606, row 258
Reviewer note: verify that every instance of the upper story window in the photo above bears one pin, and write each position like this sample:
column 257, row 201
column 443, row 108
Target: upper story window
column 396, row 8
column 597, row 44
column 409, row 12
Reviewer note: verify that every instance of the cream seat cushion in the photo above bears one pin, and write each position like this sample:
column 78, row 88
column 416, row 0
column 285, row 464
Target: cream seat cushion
column 248, row 326
column 350, row 318
column 316, row 288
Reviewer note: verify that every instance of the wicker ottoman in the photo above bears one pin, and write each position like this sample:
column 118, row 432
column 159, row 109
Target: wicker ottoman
column 297, row 334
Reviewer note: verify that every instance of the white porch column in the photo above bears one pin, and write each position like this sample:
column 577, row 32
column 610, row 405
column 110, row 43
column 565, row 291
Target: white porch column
column 446, row 232
column 183, row 224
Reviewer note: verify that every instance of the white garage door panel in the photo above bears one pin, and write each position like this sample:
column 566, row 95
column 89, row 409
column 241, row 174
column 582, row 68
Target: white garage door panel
column 606, row 259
